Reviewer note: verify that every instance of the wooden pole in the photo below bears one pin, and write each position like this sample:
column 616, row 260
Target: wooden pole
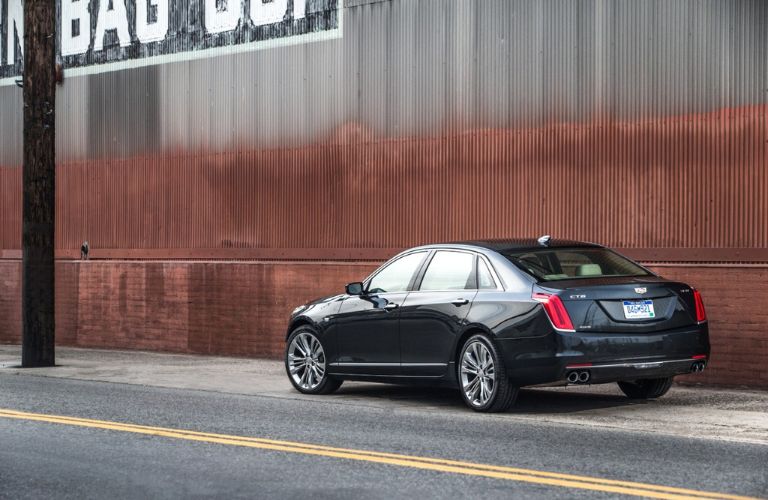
column 38, row 212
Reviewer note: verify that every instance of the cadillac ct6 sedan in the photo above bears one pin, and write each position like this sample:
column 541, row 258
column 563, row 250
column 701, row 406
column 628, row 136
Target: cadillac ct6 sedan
column 489, row 317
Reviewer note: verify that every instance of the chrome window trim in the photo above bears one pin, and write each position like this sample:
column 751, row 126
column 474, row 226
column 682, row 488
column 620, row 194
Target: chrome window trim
column 494, row 276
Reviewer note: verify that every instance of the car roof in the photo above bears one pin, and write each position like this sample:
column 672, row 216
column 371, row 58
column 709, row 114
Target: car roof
column 518, row 244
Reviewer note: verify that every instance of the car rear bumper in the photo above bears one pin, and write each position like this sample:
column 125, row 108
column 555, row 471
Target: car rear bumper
column 614, row 372
column 606, row 357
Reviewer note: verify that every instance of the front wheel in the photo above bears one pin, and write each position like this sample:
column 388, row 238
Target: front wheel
column 483, row 377
column 646, row 389
column 306, row 364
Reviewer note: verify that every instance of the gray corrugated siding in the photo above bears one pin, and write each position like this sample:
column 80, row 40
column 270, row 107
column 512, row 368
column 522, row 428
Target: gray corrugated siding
column 419, row 67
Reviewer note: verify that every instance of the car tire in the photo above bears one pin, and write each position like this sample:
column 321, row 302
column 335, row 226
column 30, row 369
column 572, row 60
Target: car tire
column 308, row 373
column 473, row 376
column 646, row 389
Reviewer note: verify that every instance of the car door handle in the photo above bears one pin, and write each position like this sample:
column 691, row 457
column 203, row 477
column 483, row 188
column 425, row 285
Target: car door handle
column 460, row 302
column 391, row 306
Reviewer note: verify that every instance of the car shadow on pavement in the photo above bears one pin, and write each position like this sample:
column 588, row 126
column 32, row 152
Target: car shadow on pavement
column 530, row 401
column 541, row 401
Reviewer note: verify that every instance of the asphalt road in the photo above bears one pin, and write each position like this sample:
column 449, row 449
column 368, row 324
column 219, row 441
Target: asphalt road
column 69, row 460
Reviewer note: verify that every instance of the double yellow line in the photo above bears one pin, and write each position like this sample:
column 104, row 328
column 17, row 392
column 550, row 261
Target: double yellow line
column 433, row 464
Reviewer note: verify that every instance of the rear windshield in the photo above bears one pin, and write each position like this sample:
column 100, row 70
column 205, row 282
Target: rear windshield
column 553, row 264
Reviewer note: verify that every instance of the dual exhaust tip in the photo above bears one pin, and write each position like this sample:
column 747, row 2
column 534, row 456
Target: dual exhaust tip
column 698, row 366
column 578, row 377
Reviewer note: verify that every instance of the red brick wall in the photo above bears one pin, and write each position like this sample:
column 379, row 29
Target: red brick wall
column 224, row 308
column 736, row 300
column 10, row 302
column 241, row 308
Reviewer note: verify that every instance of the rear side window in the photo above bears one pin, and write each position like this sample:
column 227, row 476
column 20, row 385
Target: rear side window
column 484, row 278
column 574, row 263
column 396, row 276
column 450, row 271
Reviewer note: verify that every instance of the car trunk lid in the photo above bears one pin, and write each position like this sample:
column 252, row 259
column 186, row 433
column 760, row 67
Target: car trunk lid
column 624, row 305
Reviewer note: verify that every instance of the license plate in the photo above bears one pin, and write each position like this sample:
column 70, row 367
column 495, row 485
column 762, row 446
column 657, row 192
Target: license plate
column 638, row 309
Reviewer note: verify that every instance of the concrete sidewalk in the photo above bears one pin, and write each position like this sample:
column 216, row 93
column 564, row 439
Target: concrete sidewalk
column 732, row 415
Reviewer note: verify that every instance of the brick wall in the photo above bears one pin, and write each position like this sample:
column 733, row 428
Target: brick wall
column 226, row 308
column 240, row 308
column 736, row 300
column 10, row 302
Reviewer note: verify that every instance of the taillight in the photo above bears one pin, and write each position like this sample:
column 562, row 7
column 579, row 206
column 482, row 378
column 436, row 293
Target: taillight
column 555, row 310
column 701, row 314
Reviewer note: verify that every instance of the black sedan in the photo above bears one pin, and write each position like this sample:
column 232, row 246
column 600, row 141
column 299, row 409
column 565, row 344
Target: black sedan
column 490, row 317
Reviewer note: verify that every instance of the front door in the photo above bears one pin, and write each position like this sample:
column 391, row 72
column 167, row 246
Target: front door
column 369, row 324
column 432, row 317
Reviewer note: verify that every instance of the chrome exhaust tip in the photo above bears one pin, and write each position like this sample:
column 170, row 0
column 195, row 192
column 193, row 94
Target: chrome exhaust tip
column 583, row 377
column 573, row 377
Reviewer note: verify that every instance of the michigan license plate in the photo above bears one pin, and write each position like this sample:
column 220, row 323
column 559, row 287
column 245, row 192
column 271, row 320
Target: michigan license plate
column 638, row 309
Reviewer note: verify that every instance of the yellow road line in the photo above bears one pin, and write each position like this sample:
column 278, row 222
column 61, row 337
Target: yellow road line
column 434, row 464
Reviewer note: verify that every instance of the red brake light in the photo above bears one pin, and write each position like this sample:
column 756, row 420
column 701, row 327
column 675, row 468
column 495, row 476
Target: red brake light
column 555, row 310
column 701, row 314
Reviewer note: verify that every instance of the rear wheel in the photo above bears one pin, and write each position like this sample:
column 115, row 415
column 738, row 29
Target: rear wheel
column 306, row 364
column 646, row 389
column 483, row 377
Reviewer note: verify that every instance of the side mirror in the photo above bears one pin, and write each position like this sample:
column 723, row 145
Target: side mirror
column 355, row 288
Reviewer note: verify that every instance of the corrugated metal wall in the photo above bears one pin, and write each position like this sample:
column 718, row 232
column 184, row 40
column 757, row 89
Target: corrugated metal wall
column 632, row 123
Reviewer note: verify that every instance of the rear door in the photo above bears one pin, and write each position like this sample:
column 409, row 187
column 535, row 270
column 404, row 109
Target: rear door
column 368, row 325
column 432, row 315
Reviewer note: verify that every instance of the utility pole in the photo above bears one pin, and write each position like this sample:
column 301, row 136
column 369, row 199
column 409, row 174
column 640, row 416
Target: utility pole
column 38, row 212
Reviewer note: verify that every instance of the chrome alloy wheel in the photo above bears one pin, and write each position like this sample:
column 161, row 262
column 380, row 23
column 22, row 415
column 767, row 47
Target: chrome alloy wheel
column 477, row 372
column 306, row 361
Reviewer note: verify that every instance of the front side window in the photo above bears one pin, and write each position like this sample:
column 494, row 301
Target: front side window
column 450, row 271
column 396, row 276
column 574, row 263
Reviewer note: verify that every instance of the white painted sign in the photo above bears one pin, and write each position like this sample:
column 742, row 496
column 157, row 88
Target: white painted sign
column 96, row 36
